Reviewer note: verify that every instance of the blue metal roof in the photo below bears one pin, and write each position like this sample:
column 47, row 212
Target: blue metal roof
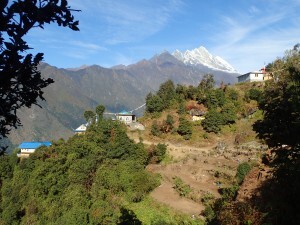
column 124, row 112
column 34, row 145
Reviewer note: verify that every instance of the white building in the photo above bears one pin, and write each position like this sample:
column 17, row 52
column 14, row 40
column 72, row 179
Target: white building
column 28, row 148
column 81, row 129
column 252, row 76
column 258, row 76
column 126, row 117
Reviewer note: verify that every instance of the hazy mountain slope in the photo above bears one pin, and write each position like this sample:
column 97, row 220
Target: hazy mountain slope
column 118, row 88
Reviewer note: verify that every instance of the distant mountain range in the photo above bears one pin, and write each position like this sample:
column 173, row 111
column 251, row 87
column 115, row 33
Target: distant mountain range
column 117, row 88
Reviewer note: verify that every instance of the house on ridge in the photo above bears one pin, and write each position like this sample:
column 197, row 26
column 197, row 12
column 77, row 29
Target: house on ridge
column 27, row 148
column 126, row 117
column 81, row 129
column 255, row 76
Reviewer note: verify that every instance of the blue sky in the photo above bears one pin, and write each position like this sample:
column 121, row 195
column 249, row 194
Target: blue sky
column 246, row 33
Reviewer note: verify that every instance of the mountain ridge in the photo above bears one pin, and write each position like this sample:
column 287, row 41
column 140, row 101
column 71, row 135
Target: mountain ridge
column 117, row 88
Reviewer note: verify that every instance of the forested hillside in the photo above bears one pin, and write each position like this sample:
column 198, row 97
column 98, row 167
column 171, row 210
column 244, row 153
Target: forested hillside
column 104, row 177
column 117, row 88
column 94, row 178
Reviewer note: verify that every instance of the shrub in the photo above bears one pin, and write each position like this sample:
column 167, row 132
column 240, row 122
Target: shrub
column 155, row 129
column 185, row 128
column 242, row 170
column 182, row 188
column 160, row 151
column 212, row 122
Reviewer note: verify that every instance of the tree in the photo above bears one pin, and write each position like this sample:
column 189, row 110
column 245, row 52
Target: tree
column 154, row 103
column 89, row 116
column 213, row 121
column 21, row 83
column 207, row 82
column 254, row 94
column 100, row 110
column 228, row 113
column 168, row 124
column 155, row 128
column 185, row 128
column 167, row 92
column 281, row 104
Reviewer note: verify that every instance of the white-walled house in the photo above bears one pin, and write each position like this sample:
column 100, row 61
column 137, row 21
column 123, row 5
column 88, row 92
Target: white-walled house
column 126, row 117
column 251, row 77
column 257, row 76
column 28, row 148
column 81, row 129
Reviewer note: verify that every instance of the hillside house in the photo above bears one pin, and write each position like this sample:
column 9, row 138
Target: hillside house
column 27, row 148
column 81, row 129
column 256, row 76
column 197, row 114
column 126, row 117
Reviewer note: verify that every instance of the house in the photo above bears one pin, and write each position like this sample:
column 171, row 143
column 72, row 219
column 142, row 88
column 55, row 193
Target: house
column 257, row 76
column 81, row 129
column 27, row 148
column 126, row 117
column 197, row 114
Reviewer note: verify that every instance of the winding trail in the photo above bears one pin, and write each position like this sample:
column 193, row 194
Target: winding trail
column 177, row 150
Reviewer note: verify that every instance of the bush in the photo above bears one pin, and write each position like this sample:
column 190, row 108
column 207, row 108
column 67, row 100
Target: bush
column 242, row 170
column 182, row 188
column 160, row 151
column 155, row 129
column 185, row 128
column 212, row 122
column 254, row 94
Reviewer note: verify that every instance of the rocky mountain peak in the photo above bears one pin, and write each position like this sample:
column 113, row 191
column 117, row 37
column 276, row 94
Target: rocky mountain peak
column 201, row 56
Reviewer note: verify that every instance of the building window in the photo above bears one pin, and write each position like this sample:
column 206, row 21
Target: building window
column 256, row 75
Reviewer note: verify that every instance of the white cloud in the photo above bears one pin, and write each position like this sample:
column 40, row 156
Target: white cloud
column 87, row 46
column 133, row 21
column 250, row 40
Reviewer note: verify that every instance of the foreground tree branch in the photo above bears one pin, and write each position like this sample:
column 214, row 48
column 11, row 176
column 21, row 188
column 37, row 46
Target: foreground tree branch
column 21, row 83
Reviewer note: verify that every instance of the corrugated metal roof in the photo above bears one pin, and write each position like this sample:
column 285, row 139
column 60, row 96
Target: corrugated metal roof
column 34, row 145
column 124, row 113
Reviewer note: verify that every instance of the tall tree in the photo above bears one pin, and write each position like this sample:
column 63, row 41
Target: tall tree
column 167, row 92
column 100, row 110
column 21, row 83
column 89, row 116
column 281, row 104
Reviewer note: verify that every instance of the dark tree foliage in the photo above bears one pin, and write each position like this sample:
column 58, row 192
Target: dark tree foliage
column 207, row 83
column 281, row 104
column 154, row 103
column 213, row 121
column 254, row 94
column 155, row 129
column 100, row 110
column 279, row 196
column 168, row 124
column 89, row 179
column 167, row 92
column 185, row 128
column 21, row 83
column 89, row 116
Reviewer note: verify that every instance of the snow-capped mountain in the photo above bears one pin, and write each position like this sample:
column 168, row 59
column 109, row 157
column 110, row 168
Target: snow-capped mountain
column 200, row 56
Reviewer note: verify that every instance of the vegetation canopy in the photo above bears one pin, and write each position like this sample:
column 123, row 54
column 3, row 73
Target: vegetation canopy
column 21, row 83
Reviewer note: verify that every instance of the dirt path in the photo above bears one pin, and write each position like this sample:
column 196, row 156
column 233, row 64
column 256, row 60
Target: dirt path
column 178, row 151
